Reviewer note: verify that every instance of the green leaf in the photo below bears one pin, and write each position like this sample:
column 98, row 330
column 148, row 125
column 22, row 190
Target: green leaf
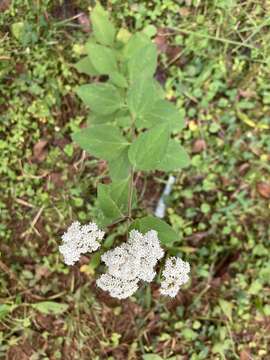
column 227, row 308
column 148, row 150
column 175, row 157
column 189, row 334
column 255, row 287
column 95, row 260
column 97, row 119
column 107, row 205
column 160, row 93
column 119, row 193
column 50, row 307
column 152, row 357
column 136, row 42
column 150, row 30
column 86, row 67
column 141, row 95
column 103, row 141
column 102, row 98
column 143, row 61
column 18, row 29
column 166, row 234
column 5, row 309
column 123, row 36
column 120, row 166
column 162, row 111
column 113, row 200
column 103, row 29
column 102, row 58
column 118, row 79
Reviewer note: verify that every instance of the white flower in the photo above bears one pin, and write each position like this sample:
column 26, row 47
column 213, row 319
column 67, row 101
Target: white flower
column 174, row 275
column 121, row 262
column 131, row 262
column 80, row 239
column 117, row 287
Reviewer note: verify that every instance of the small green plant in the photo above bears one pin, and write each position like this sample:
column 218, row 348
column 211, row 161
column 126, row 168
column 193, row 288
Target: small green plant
column 132, row 127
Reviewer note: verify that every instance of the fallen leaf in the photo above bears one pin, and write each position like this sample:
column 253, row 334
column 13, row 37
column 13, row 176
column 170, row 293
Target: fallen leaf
column 247, row 93
column 57, row 179
column 263, row 189
column 243, row 168
column 161, row 40
column 45, row 321
column 198, row 146
column 245, row 355
column 39, row 151
column 184, row 11
column 4, row 5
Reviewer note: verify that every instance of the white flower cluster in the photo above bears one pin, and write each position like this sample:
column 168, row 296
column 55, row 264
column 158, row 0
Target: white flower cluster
column 129, row 263
column 80, row 239
column 174, row 275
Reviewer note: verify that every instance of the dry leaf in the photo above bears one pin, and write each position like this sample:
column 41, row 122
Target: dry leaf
column 39, row 151
column 243, row 168
column 184, row 11
column 198, row 146
column 4, row 5
column 245, row 355
column 161, row 40
column 263, row 189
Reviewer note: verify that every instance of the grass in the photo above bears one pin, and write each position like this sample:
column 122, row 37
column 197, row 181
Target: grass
column 214, row 63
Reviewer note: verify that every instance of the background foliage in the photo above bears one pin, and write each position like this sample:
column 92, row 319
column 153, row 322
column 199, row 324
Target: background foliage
column 214, row 62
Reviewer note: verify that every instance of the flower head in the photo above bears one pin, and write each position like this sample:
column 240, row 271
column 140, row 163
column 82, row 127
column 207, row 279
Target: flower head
column 129, row 263
column 174, row 275
column 80, row 239
column 117, row 287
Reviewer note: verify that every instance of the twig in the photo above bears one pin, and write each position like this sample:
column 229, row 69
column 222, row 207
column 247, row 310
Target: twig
column 215, row 38
column 24, row 203
column 33, row 223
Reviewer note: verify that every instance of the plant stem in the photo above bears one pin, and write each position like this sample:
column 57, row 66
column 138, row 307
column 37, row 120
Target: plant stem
column 130, row 194
column 131, row 180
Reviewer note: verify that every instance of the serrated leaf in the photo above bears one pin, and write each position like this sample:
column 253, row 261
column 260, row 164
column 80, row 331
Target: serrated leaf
column 102, row 98
column 50, row 307
column 175, row 157
column 141, row 95
column 143, row 61
column 148, row 150
column 102, row 58
column 162, row 111
column 166, row 234
column 86, row 67
column 103, row 141
column 104, row 31
column 107, row 205
column 120, row 166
